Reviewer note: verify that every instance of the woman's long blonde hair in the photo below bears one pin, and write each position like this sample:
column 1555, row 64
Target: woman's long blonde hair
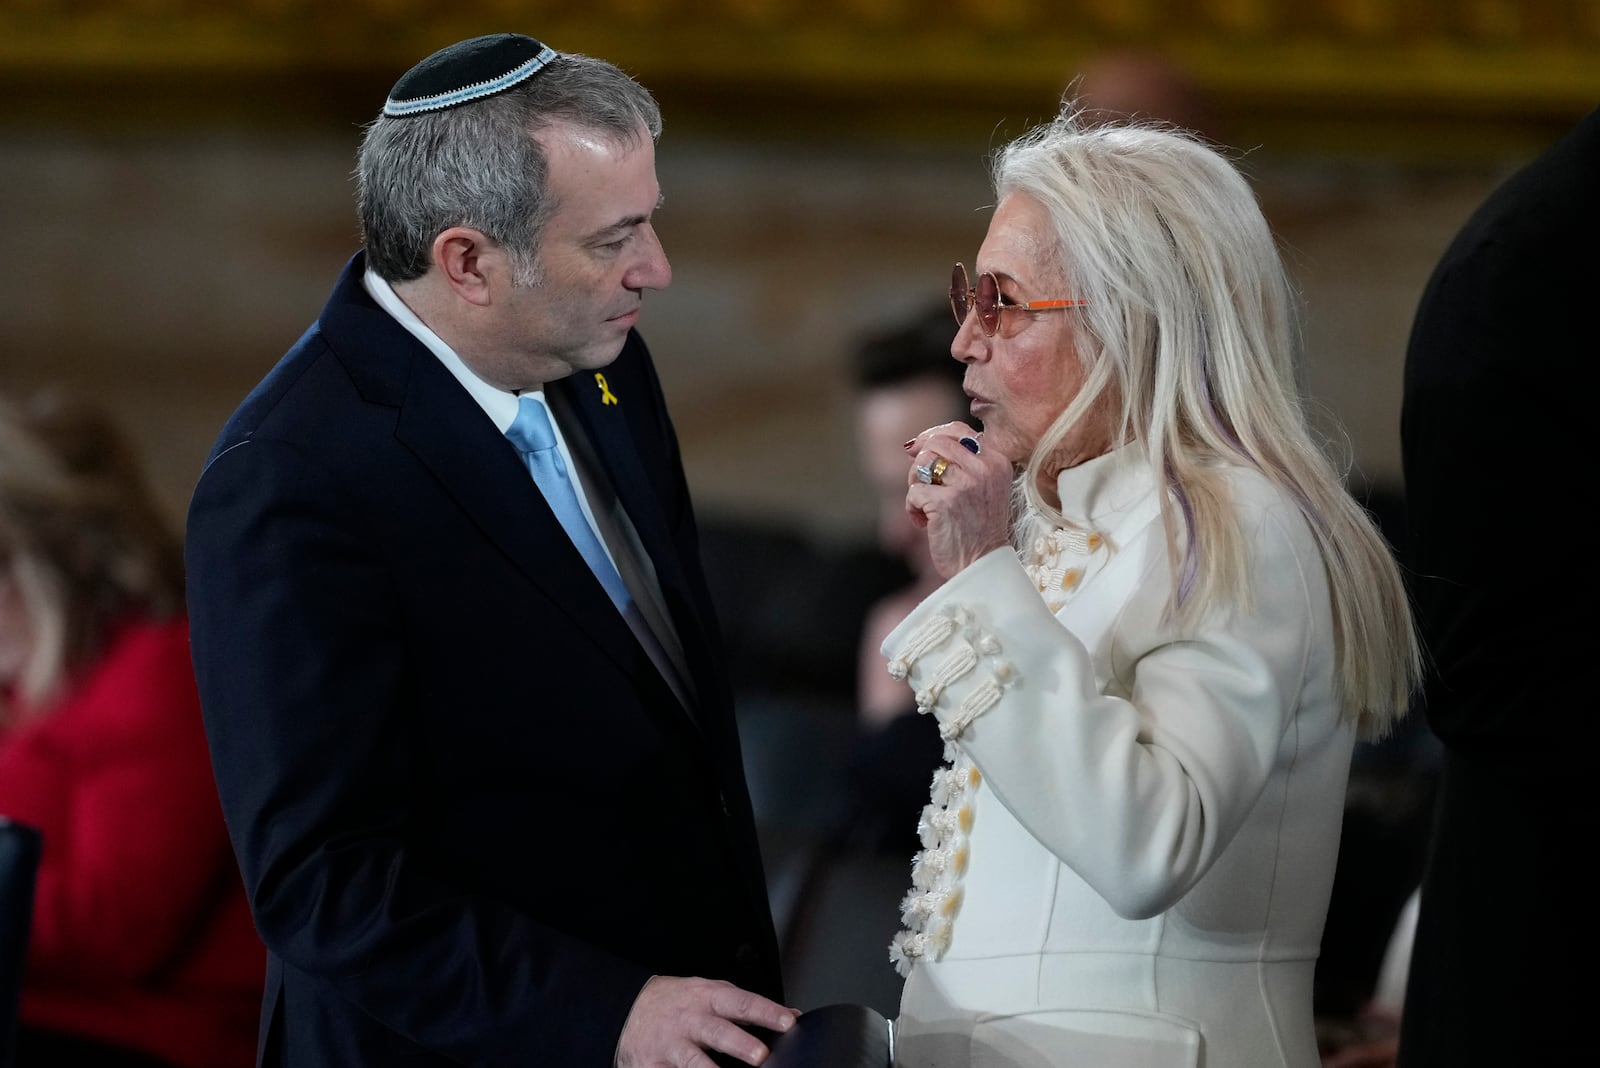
column 1190, row 335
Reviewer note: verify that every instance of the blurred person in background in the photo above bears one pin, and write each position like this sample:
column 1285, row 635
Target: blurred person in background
column 1163, row 626
column 142, row 952
column 1147, row 85
column 904, row 381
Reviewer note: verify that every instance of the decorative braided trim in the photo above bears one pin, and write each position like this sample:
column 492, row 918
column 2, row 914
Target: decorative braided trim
column 961, row 661
column 980, row 700
column 1081, row 542
column 923, row 640
column 929, row 908
column 1060, row 578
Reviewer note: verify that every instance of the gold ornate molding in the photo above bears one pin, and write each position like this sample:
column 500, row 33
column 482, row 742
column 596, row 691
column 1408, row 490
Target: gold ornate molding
column 1385, row 75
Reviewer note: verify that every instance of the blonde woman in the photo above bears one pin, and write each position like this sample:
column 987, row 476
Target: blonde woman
column 1163, row 625
column 141, row 951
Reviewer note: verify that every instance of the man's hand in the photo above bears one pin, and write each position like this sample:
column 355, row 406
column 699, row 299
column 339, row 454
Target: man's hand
column 674, row 1021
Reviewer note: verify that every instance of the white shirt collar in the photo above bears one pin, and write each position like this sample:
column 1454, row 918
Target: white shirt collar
column 498, row 404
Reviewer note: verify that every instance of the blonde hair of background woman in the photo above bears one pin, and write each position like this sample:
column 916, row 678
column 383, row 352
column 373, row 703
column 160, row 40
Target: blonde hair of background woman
column 1190, row 326
column 81, row 536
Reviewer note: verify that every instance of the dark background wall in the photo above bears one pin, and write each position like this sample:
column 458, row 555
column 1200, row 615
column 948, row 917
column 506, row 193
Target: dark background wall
column 176, row 194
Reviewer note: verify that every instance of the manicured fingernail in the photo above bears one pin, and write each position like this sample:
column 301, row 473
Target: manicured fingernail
column 907, row 445
column 971, row 445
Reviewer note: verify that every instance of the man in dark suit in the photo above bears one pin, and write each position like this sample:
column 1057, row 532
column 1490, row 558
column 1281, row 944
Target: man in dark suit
column 1502, row 376
column 480, row 768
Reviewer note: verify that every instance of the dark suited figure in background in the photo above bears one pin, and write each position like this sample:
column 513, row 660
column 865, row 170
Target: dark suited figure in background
column 485, row 789
column 1501, row 387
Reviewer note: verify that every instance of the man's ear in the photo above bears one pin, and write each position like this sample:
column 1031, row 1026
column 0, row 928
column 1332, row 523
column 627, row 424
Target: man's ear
column 470, row 263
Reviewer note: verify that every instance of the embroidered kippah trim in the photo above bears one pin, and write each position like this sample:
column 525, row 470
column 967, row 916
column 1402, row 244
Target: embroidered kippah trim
column 438, row 101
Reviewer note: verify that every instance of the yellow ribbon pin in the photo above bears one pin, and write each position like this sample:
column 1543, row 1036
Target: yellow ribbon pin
column 606, row 396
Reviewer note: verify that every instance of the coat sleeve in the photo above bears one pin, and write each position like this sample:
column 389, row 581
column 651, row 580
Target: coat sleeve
column 302, row 661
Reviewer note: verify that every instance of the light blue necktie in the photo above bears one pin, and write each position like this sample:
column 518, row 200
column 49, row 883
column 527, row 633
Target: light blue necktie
column 531, row 433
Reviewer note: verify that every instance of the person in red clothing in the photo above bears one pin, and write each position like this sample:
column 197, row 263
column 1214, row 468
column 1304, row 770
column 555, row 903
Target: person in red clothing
column 142, row 951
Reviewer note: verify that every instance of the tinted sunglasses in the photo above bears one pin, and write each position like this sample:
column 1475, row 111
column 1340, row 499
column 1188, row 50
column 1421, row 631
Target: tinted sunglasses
column 987, row 299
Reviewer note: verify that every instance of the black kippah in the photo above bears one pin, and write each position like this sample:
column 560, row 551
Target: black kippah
column 466, row 71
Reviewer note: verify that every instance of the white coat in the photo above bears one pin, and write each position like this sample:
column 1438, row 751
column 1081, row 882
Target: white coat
column 1129, row 859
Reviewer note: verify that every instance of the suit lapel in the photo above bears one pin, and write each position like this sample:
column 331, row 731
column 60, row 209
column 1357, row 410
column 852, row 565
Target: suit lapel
column 688, row 601
column 447, row 431
column 440, row 423
column 607, row 429
column 452, row 436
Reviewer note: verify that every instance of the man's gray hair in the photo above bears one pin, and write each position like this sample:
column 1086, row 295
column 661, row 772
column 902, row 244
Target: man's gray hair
column 479, row 164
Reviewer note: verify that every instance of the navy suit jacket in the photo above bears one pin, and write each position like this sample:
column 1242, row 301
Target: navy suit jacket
column 471, row 815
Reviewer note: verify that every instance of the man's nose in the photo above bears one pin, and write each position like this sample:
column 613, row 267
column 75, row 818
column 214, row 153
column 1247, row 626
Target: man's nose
column 652, row 271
